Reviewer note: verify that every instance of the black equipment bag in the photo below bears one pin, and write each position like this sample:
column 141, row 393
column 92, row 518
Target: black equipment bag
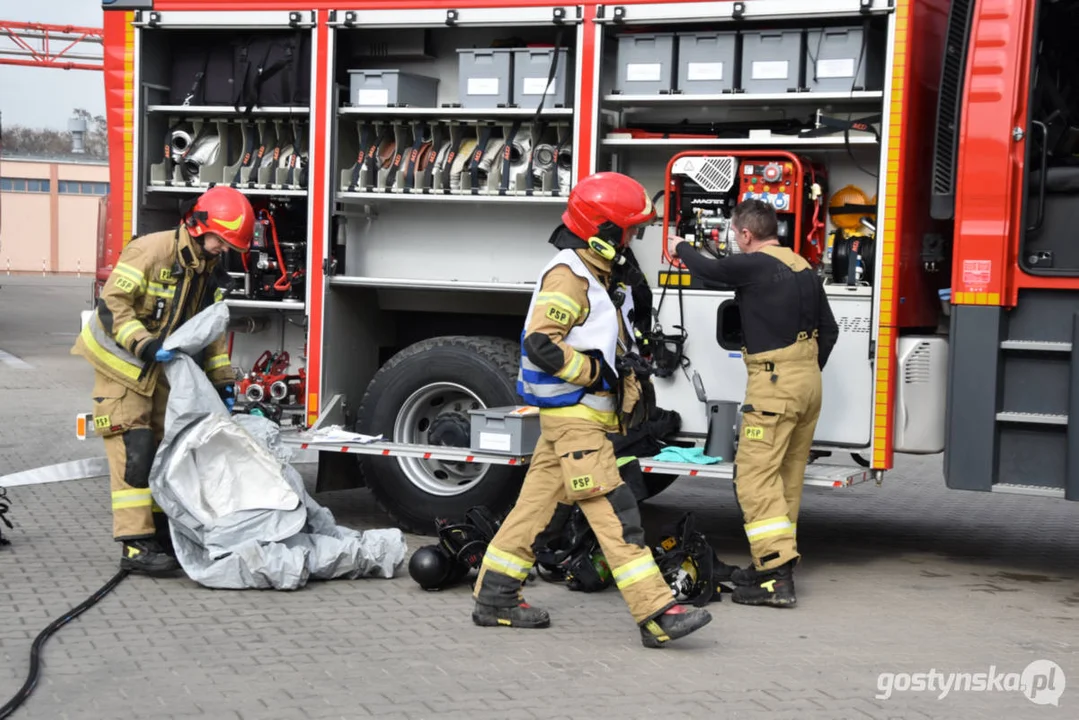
column 273, row 70
column 202, row 74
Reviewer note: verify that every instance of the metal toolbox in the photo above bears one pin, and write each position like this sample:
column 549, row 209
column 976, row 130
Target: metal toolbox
column 511, row 430
column 645, row 63
column 843, row 59
column 485, row 77
column 380, row 88
column 531, row 68
column 771, row 61
column 706, row 62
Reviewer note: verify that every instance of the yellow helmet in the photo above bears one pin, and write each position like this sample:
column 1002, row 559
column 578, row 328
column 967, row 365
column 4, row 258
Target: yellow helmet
column 848, row 206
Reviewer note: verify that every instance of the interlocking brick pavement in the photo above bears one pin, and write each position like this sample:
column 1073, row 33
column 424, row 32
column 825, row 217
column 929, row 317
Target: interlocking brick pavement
column 908, row 577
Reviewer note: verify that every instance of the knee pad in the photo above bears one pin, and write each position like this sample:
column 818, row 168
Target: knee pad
column 624, row 504
column 139, row 447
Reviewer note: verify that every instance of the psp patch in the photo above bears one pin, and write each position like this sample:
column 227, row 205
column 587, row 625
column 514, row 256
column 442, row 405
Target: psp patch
column 559, row 315
column 125, row 284
column 753, row 432
column 584, row 482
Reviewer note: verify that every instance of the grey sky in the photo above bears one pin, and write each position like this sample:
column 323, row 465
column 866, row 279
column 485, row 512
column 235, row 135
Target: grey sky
column 45, row 97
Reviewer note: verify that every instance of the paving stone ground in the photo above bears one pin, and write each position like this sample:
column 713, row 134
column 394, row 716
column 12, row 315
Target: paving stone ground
column 906, row 578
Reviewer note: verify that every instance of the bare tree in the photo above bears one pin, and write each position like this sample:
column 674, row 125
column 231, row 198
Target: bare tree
column 22, row 140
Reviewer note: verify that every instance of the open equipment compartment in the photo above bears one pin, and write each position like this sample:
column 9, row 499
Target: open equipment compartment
column 706, row 113
column 206, row 120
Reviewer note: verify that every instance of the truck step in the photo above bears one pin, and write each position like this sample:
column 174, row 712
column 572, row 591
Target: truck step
column 1038, row 490
column 1036, row 346
column 819, row 475
column 1032, row 418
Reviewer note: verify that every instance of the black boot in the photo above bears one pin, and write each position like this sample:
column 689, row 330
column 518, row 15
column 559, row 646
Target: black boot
column 744, row 576
column 147, row 557
column 678, row 621
column 773, row 587
column 521, row 616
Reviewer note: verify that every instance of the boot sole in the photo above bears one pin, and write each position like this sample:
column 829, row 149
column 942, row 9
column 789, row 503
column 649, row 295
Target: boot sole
column 502, row 622
column 770, row 602
column 650, row 640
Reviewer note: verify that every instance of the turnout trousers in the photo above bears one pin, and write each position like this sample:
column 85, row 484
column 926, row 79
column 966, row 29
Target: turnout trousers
column 779, row 417
column 131, row 426
column 574, row 462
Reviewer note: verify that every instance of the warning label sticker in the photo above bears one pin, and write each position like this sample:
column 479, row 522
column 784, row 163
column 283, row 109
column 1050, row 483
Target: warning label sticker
column 977, row 272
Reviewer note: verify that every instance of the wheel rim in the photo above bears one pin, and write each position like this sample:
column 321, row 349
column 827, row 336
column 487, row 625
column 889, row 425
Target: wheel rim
column 413, row 425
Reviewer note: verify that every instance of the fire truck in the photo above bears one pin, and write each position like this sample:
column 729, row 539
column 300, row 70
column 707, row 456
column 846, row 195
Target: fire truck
column 408, row 160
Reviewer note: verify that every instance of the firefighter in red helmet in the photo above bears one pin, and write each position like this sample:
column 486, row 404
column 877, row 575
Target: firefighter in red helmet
column 160, row 280
column 576, row 332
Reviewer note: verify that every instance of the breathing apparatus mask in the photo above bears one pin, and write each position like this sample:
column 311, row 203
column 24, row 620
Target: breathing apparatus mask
column 460, row 549
column 568, row 551
column 689, row 564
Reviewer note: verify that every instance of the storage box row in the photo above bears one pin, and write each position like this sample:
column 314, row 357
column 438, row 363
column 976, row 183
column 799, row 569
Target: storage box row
column 487, row 78
column 834, row 59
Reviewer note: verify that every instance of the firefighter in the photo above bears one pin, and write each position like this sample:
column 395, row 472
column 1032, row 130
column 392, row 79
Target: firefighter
column 788, row 333
column 570, row 348
column 160, row 280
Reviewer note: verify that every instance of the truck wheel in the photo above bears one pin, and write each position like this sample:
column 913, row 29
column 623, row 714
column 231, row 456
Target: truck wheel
column 422, row 396
column 655, row 483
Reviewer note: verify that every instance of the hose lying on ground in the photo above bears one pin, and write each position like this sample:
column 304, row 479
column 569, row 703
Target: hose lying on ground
column 35, row 651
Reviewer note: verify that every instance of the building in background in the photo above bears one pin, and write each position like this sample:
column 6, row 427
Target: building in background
column 48, row 213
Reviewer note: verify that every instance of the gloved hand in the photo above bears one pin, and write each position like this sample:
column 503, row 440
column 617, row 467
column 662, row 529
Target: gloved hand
column 606, row 378
column 228, row 395
column 153, row 352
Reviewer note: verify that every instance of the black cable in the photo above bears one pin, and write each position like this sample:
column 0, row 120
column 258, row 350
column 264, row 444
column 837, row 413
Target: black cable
column 35, row 651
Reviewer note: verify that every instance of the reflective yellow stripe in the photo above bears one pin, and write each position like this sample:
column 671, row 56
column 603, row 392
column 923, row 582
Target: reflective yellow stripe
column 560, row 300
column 136, row 497
column 217, row 361
column 131, row 273
column 124, row 368
column 573, row 369
column 634, row 571
column 794, row 529
column 604, row 417
column 506, row 563
column 219, row 295
column 157, row 289
column 625, row 460
column 770, row 527
column 124, row 333
column 155, row 507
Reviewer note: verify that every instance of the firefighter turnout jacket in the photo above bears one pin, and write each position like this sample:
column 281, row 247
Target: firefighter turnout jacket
column 160, row 281
column 573, row 330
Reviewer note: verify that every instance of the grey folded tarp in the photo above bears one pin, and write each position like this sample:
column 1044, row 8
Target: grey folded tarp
column 239, row 514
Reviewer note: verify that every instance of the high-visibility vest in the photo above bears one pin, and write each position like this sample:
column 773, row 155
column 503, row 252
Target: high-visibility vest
column 599, row 332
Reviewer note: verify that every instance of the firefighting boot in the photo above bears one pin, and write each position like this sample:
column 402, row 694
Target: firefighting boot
column 520, row 616
column 147, row 557
column 773, row 587
column 678, row 621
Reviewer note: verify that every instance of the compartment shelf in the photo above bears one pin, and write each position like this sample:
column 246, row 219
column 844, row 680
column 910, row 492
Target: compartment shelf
column 183, row 189
column 744, row 98
column 421, row 196
column 227, row 110
column 399, row 283
column 285, row 305
column 780, row 141
column 454, row 112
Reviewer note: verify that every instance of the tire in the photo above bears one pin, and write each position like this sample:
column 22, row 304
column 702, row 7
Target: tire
column 655, row 483
column 430, row 386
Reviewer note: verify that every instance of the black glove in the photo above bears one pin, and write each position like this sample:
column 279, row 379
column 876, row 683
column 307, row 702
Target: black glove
column 149, row 350
column 606, row 378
